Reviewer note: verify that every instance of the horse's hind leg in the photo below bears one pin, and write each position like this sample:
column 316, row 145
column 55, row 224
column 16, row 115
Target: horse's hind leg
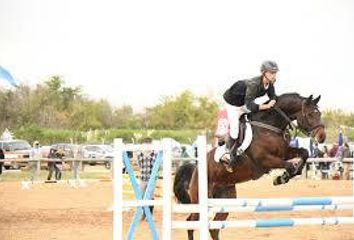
column 214, row 233
column 192, row 217
column 222, row 192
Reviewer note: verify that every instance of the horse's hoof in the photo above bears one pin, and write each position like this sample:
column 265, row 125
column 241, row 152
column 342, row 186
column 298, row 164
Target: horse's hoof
column 278, row 181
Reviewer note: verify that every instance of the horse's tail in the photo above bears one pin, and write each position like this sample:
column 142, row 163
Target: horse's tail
column 181, row 183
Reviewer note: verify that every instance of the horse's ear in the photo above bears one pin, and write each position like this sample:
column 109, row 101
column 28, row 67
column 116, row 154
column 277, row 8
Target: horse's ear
column 309, row 99
column 316, row 100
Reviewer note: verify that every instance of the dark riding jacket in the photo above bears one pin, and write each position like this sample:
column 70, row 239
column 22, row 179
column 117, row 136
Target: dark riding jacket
column 244, row 92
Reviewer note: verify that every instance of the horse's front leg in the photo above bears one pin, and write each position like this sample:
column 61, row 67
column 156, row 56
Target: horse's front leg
column 292, row 168
column 299, row 153
column 194, row 197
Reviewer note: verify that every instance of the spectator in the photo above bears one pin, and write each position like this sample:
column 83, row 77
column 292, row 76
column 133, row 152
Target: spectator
column 78, row 155
column 146, row 160
column 346, row 151
column 34, row 163
column 54, row 156
column 339, row 153
column 325, row 151
column 59, row 163
column 316, row 152
column 2, row 157
column 343, row 152
column 333, row 151
column 324, row 165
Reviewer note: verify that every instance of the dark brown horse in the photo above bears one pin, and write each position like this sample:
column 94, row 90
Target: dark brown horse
column 269, row 150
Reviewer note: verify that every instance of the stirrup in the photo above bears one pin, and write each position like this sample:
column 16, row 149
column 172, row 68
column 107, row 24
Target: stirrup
column 225, row 160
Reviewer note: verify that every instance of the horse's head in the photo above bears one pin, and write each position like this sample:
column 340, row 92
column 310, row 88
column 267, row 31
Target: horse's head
column 295, row 107
column 309, row 119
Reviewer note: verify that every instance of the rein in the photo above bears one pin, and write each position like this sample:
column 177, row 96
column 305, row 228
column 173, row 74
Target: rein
column 275, row 129
column 291, row 124
column 266, row 126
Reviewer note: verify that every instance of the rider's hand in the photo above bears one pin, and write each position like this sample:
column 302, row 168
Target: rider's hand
column 271, row 103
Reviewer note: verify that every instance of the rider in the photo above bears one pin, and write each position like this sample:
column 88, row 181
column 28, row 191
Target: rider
column 240, row 98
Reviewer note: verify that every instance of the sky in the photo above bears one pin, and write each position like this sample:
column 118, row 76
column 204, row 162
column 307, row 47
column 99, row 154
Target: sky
column 133, row 52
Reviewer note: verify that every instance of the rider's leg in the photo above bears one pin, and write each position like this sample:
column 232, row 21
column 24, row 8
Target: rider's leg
column 234, row 114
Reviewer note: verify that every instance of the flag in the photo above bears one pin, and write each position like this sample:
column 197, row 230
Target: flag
column 6, row 75
column 340, row 139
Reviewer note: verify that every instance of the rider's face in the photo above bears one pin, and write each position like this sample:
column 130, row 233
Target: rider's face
column 270, row 76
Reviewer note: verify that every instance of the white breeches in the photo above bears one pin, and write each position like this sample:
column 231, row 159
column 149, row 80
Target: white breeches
column 233, row 114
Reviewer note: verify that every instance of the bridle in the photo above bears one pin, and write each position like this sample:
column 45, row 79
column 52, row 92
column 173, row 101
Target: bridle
column 303, row 121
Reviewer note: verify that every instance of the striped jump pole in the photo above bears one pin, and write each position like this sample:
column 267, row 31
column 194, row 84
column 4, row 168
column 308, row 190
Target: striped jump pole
column 286, row 202
column 265, row 223
column 183, row 208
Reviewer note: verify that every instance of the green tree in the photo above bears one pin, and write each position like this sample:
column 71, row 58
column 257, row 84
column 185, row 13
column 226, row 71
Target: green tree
column 185, row 111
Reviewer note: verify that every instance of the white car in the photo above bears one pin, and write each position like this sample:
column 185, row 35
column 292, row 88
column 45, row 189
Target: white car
column 18, row 149
column 99, row 152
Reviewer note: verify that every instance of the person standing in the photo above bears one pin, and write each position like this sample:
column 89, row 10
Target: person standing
column 51, row 163
column 54, row 157
column 34, row 163
column 78, row 155
column 146, row 160
column 59, row 163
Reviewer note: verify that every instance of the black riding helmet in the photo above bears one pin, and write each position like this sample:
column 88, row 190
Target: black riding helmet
column 270, row 66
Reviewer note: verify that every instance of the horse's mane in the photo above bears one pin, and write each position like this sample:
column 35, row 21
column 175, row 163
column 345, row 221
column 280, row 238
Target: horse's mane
column 287, row 102
column 288, row 97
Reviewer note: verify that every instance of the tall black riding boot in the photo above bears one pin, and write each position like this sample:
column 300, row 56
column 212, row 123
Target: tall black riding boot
column 235, row 153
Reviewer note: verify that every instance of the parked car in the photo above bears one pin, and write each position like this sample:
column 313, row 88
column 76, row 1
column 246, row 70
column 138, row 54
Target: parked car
column 15, row 149
column 99, row 152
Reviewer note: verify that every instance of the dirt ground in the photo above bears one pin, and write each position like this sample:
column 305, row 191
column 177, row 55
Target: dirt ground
column 56, row 211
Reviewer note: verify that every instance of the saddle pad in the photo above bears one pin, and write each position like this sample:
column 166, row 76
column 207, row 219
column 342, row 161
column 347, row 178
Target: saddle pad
column 221, row 150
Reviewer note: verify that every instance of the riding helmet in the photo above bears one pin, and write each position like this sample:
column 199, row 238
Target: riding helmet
column 270, row 66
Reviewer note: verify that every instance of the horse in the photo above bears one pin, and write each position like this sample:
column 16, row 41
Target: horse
column 268, row 150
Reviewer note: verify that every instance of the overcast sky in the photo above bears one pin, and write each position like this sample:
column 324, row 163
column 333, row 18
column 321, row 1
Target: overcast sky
column 133, row 52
